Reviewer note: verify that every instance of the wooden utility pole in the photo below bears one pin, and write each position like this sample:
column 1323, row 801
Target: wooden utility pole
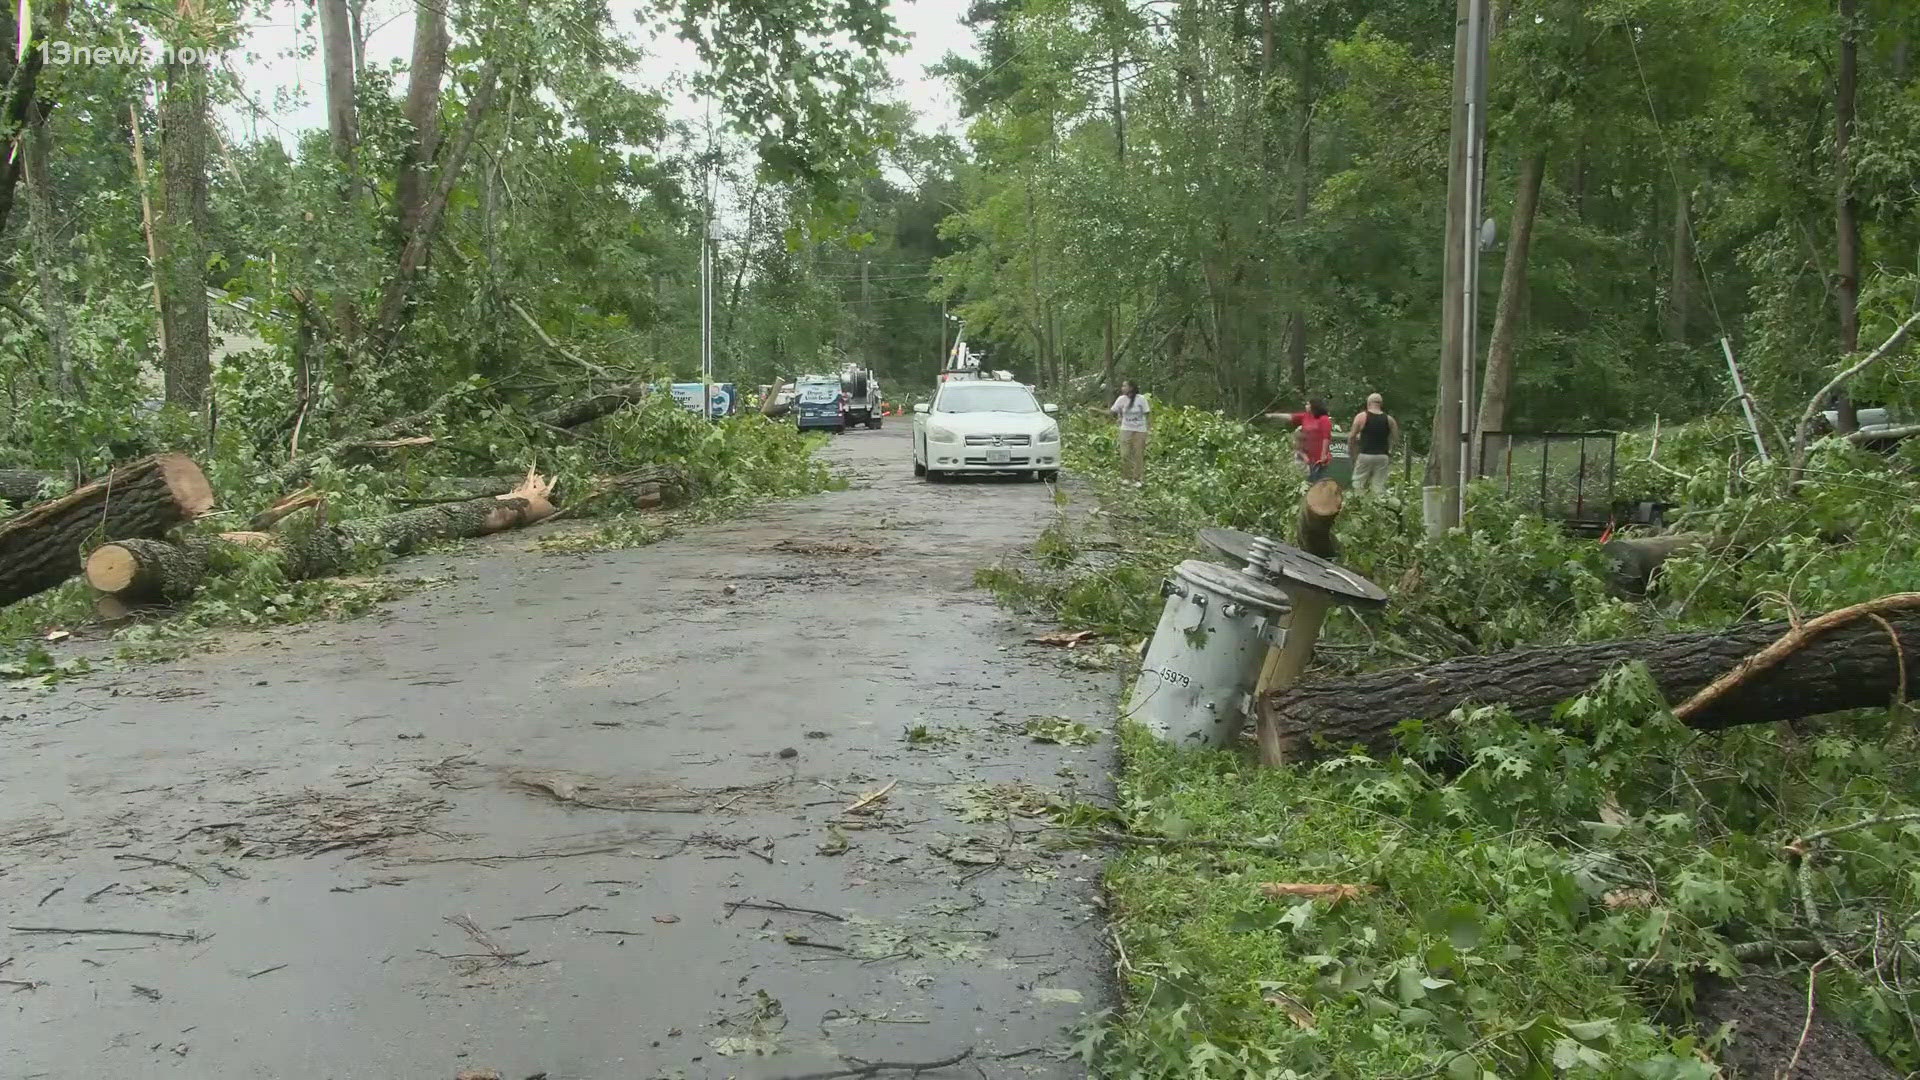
column 1448, row 467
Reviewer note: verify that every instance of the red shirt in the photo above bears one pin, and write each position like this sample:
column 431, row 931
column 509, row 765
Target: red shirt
column 1316, row 437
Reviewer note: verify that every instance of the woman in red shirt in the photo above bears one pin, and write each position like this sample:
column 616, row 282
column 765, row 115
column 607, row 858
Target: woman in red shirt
column 1313, row 447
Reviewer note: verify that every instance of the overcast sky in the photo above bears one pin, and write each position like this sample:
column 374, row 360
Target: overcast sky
column 293, row 88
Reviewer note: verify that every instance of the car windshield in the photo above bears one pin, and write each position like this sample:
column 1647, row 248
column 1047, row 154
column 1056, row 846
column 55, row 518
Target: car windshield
column 986, row 397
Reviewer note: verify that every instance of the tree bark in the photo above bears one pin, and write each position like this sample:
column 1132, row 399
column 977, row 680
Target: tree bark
column 188, row 361
column 594, row 406
column 1846, row 286
column 40, row 546
column 337, row 49
column 1632, row 561
column 422, row 110
column 1680, row 273
column 138, row 570
column 22, row 486
column 448, row 489
column 1318, row 512
column 1853, row 666
column 393, row 302
column 1302, row 194
column 22, row 84
column 155, row 265
column 47, row 259
column 132, row 570
column 1497, row 387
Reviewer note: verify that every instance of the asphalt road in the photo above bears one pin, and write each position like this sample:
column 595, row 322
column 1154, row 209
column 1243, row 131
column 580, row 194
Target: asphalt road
column 548, row 819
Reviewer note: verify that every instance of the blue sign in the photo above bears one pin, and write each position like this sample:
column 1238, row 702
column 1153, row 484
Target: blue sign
column 688, row 395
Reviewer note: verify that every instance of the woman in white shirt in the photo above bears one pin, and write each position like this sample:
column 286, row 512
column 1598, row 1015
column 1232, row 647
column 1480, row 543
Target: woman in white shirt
column 1132, row 408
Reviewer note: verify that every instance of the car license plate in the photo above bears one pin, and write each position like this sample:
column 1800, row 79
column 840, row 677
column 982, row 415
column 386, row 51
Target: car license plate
column 997, row 455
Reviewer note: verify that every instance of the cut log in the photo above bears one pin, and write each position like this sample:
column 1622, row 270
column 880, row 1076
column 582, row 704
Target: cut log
column 1318, row 512
column 1851, row 666
column 594, row 406
column 460, row 489
column 40, row 547
column 139, row 570
column 22, row 486
column 135, row 570
column 1632, row 561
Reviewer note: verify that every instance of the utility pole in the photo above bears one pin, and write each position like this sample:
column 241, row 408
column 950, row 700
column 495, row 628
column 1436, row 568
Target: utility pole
column 706, row 319
column 1443, row 498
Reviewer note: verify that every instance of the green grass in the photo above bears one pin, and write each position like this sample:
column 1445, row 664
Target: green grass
column 1528, row 900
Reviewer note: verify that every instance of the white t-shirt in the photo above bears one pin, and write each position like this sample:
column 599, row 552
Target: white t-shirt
column 1133, row 417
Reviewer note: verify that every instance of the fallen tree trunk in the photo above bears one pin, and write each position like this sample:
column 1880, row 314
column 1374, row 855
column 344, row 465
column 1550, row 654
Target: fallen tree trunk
column 594, row 406
column 40, row 546
column 1853, row 665
column 133, row 570
column 1632, row 561
column 22, row 486
column 390, row 434
column 1318, row 511
column 449, row 489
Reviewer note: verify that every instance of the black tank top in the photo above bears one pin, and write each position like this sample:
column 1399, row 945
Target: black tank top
column 1375, row 434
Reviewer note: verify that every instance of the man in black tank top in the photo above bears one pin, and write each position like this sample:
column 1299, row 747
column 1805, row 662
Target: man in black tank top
column 1373, row 438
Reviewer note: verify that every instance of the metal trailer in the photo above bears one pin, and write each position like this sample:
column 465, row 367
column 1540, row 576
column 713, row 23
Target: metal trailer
column 1567, row 476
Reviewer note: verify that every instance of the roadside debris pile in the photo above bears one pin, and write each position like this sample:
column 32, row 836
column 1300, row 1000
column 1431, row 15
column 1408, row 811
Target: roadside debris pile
column 142, row 535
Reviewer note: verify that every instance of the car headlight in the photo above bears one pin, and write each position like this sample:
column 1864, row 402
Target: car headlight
column 942, row 435
column 1052, row 434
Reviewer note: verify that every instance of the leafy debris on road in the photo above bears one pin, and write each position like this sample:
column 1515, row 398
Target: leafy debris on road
column 1061, row 731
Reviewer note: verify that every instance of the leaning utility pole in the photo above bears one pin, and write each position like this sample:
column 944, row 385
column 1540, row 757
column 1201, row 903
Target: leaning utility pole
column 1446, row 472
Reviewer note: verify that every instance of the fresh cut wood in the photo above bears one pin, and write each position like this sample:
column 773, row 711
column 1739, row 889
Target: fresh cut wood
column 136, row 570
column 41, row 546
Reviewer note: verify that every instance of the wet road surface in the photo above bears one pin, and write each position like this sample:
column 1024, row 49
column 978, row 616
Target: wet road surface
column 564, row 815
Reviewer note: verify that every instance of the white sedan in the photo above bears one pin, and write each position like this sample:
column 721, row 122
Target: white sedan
column 979, row 426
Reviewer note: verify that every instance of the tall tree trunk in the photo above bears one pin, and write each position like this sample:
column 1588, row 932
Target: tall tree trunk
column 156, row 266
column 188, row 361
column 1505, row 343
column 337, row 49
column 341, row 28
column 22, row 82
column 47, row 258
column 1302, row 190
column 357, row 24
column 1846, row 291
column 422, row 111
column 393, row 302
column 1680, row 275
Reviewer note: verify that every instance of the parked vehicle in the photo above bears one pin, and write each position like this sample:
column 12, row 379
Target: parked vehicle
column 980, row 426
column 863, row 396
column 819, row 403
